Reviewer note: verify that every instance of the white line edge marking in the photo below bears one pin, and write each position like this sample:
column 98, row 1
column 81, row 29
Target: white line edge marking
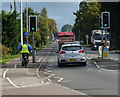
column 11, row 82
column 103, row 68
column 4, row 74
column 35, row 85
column 108, row 70
column 71, row 89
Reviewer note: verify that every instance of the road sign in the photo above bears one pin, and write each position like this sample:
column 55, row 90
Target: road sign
column 26, row 33
column 105, row 53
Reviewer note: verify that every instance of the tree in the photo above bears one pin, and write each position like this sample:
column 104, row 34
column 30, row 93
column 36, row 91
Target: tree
column 67, row 28
column 10, row 30
column 46, row 27
column 86, row 19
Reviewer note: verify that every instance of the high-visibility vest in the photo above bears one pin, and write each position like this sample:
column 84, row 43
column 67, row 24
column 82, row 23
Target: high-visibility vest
column 24, row 49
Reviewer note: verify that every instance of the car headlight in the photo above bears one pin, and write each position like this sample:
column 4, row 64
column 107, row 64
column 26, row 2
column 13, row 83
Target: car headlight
column 95, row 45
column 108, row 47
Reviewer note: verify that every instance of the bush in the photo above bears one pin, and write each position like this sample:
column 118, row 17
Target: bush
column 4, row 50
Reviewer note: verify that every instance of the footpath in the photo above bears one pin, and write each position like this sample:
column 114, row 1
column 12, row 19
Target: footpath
column 44, row 89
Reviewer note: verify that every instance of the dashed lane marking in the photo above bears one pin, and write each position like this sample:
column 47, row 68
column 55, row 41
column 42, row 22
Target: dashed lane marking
column 60, row 79
column 51, row 75
column 48, row 79
column 39, row 59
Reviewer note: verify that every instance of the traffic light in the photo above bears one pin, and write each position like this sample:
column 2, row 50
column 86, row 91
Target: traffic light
column 33, row 23
column 100, row 23
column 105, row 19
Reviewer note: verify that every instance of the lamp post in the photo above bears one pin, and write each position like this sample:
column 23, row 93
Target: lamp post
column 27, row 18
column 21, row 22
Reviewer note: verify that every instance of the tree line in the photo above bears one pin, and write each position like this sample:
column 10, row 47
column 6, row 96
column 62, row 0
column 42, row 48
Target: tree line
column 87, row 19
column 11, row 29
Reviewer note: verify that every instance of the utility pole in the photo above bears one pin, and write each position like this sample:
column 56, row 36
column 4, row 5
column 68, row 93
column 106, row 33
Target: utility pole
column 27, row 18
column 21, row 22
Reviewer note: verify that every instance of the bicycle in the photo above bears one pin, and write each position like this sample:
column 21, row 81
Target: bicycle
column 25, row 60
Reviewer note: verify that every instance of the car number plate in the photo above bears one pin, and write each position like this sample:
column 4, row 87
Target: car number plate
column 72, row 60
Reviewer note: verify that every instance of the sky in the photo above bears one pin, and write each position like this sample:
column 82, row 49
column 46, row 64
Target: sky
column 61, row 12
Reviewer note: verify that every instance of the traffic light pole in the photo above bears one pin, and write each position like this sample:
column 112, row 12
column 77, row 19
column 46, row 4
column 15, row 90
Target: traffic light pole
column 102, row 43
column 33, row 51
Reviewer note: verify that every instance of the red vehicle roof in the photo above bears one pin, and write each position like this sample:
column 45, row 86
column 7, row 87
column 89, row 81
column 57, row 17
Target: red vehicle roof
column 65, row 33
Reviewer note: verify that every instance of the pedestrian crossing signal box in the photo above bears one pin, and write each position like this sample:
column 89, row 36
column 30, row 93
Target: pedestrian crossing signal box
column 33, row 23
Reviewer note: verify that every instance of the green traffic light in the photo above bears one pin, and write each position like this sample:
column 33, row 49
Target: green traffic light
column 105, row 25
column 33, row 28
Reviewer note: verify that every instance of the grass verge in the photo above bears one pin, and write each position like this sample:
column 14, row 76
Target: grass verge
column 7, row 58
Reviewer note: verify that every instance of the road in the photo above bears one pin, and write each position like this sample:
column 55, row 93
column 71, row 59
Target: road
column 89, row 80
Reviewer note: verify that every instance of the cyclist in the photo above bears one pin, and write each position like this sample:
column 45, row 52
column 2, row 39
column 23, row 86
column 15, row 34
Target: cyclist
column 25, row 49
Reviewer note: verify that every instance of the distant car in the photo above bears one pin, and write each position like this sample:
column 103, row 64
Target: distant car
column 71, row 54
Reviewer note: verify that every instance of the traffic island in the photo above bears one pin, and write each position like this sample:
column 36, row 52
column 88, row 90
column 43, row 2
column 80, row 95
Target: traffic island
column 107, row 63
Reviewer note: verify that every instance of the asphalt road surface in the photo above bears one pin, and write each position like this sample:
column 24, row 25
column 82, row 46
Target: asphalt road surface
column 89, row 80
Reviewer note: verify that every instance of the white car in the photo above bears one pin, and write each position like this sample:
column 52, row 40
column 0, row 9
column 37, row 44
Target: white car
column 71, row 53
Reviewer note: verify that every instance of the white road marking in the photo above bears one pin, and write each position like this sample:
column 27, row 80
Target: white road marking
column 35, row 85
column 103, row 68
column 88, row 58
column 60, row 79
column 42, row 82
column 65, row 81
column 49, row 71
column 15, row 66
column 48, row 79
column 4, row 74
column 70, row 89
column 11, row 82
column 51, row 75
column 108, row 70
column 39, row 59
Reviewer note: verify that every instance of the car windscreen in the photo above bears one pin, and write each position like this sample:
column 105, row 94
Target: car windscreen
column 71, row 48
